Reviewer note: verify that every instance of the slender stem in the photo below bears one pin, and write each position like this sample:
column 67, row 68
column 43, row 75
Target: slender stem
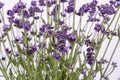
column 111, row 58
column 102, row 40
column 47, row 11
column 74, row 16
column 111, row 39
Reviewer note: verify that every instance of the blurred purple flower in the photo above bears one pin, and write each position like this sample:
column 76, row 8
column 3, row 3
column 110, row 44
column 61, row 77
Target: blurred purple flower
column 72, row 37
column 1, row 4
column 27, row 25
column 18, row 7
column 90, row 55
column 97, row 27
column 42, row 2
column 7, row 50
column 3, row 58
column 106, row 9
column 10, row 13
column 18, row 23
column 56, row 56
column 26, row 14
column 63, row 1
column 33, row 3
column 6, row 27
column 69, row 9
column 32, row 49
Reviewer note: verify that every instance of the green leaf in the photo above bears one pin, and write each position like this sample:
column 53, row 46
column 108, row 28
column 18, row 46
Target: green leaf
column 49, row 48
column 33, row 22
column 11, row 74
column 98, row 67
column 88, row 78
column 43, row 20
column 19, row 48
column 110, row 38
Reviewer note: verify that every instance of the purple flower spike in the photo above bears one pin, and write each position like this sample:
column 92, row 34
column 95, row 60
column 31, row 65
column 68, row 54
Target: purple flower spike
column 33, row 3
column 97, row 27
column 18, row 23
column 72, row 37
column 56, row 56
column 106, row 9
column 1, row 5
column 32, row 49
column 26, row 14
column 90, row 55
column 3, row 58
column 42, row 2
column 10, row 13
column 69, row 9
column 7, row 50
column 84, row 9
column 27, row 25
column 114, row 64
column 63, row 1
column 18, row 7
column 87, row 42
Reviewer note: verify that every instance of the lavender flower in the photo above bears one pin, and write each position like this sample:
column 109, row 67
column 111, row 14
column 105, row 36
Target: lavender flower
column 45, row 28
column 63, row 1
column 41, row 45
column 42, row 2
column 1, row 5
column 7, row 50
column 103, row 61
column 72, row 37
column 69, row 9
column 87, row 42
column 83, row 9
column 3, row 58
column 90, row 55
column 56, row 56
column 106, row 9
column 116, row 3
column 6, row 27
column 114, row 64
column 10, row 13
column 26, row 14
column 18, row 23
column 18, row 7
column 97, row 27
column 33, row 3
column 27, row 25
column 32, row 49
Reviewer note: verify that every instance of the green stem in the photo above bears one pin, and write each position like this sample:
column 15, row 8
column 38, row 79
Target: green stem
column 111, row 58
column 102, row 40
column 74, row 16
column 111, row 39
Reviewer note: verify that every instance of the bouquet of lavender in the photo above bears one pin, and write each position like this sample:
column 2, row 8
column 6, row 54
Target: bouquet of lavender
column 58, row 40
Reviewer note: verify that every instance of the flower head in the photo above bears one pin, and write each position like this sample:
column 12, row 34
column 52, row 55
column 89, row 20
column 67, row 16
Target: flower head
column 1, row 5
column 27, row 25
column 106, row 9
column 90, row 55
column 72, row 37
column 32, row 49
column 97, row 27
column 33, row 3
column 3, row 58
column 56, row 56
